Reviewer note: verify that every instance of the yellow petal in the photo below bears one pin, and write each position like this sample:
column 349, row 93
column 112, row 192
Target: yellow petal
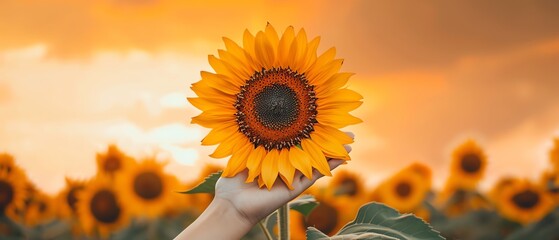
column 340, row 96
column 240, row 53
column 285, row 168
column 264, row 51
column 206, row 104
column 326, row 72
column 318, row 160
column 284, row 46
column 298, row 50
column 337, row 119
column 235, row 63
column 321, row 61
column 311, row 54
column 340, row 106
column 270, row 168
column 214, row 118
column 334, row 83
column 222, row 82
column 226, row 147
column 329, row 132
column 224, row 68
column 238, row 161
column 221, row 133
column 254, row 163
column 201, row 88
column 272, row 36
column 248, row 45
column 301, row 161
column 260, row 181
column 330, row 146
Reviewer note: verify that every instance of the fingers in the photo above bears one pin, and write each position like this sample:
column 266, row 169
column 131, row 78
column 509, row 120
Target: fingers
column 350, row 134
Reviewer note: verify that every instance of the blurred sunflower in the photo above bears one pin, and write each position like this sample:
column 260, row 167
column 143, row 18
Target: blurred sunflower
column 146, row 189
column 404, row 191
column 6, row 162
column 329, row 216
column 554, row 155
column 455, row 201
column 67, row 198
column 12, row 194
column 468, row 165
column 113, row 161
column 524, row 202
column 100, row 208
column 275, row 107
column 40, row 209
column 421, row 169
column 498, row 187
column 346, row 183
column 549, row 181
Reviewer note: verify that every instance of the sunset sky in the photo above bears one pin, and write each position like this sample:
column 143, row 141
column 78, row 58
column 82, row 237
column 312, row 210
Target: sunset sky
column 78, row 75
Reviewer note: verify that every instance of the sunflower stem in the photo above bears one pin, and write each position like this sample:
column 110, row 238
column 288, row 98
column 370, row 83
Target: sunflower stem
column 266, row 232
column 283, row 222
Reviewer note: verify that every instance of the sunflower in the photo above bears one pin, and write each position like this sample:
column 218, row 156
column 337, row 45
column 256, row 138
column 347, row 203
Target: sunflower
column 404, row 191
column 146, row 188
column 40, row 209
column 549, row 181
column 554, row 155
column 12, row 194
column 6, row 162
column 347, row 183
column 275, row 107
column 421, row 169
column 496, row 190
column 67, row 198
column 100, row 208
column 331, row 214
column 524, row 202
column 468, row 165
column 113, row 161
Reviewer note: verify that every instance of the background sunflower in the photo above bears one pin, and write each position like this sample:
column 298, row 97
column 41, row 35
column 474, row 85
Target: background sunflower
column 275, row 106
column 404, row 191
column 467, row 166
column 524, row 202
column 12, row 194
column 113, row 161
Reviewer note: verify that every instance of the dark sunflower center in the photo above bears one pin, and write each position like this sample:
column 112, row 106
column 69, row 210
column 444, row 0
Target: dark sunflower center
column 104, row 207
column 526, row 199
column 42, row 206
column 471, row 163
column 71, row 197
column 349, row 187
column 403, row 189
column 148, row 185
column 324, row 217
column 276, row 108
column 6, row 195
column 112, row 163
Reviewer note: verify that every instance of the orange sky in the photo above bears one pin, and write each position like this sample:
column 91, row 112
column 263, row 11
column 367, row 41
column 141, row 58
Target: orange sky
column 77, row 75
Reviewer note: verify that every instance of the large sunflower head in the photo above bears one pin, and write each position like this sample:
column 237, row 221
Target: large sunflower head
column 146, row 188
column 275, row 106
column 468, row 165
column 100, row 208
column 347, row 183
column 12, row 193
column 67, row 198
column 524, row 202
column 404, row 191
column 112, row 161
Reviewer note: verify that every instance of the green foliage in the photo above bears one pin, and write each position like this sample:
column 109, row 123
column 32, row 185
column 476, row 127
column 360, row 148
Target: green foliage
column 207, row 186
column 545, row 229
column 303, row 204
column 378, row 221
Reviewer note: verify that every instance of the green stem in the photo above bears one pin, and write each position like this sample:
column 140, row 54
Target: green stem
column 283, row 222
column 268, row 235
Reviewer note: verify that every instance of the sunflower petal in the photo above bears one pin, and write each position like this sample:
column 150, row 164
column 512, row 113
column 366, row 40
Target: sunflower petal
column 320, row 62
column 264, row 51
column 221, row 82
column 272, row 36
column 214, row 118
column 235, row 63
column 334, row 83
column 326, row 72
column 285, row 168
column 337, row 119
column 254, row 163
column 311, row 54
column 340, row 106
column 298, row 50
column 225, row 68
column 206, row 104
column 238, row 161
column 284, row 46
column 340, row 96
column 301, row 161
column 226, row 147
column 202, row 89
column 248, row 44
column 318, row 160
column 328, row 132
column 219, row 134
column 240, row 53
column 270, row 168
column 331, row 147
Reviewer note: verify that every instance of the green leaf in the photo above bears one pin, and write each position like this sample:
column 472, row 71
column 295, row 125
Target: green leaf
column 546, row 228
column 315, row 234
column 378, row 221
column 304, row 204
column 207, row 186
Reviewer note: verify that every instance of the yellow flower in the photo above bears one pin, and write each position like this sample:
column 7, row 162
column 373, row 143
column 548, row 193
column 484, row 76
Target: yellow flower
column 146, row 189
column 549, row 181
column 421, row 169
column 347, row 183
column 329, row 216
column 100, row 208
column 468, row 165
column 524, row 202
column 503, row 182
column 554, row 155
column 275, row 106
column 12, row 194
column 113, row 161
column 67, row 198
column 404, row 191
column 40, row 209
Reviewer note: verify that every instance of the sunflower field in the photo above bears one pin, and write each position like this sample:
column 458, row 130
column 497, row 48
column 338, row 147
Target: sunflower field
column 136, row 199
